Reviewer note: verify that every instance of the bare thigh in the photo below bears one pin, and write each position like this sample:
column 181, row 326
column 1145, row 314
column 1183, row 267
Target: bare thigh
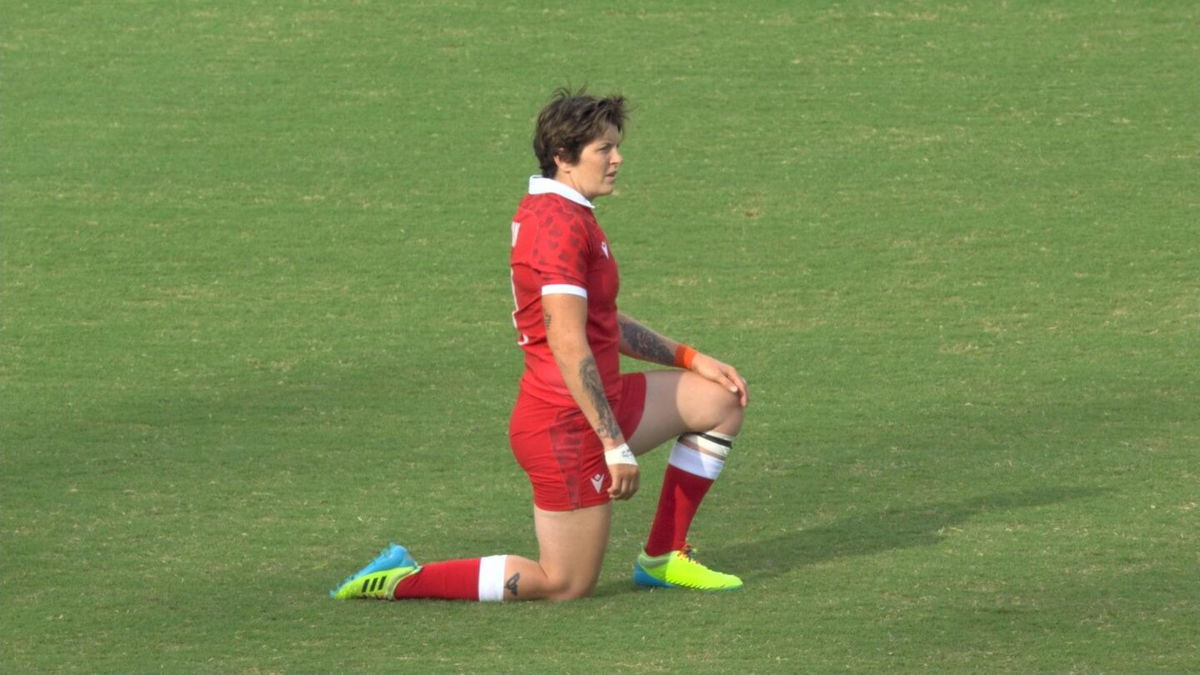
column 679, row 401
column 572, row 545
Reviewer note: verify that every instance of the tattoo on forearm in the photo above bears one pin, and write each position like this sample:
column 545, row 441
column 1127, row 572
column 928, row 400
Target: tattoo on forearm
column 645, row 344
column 589, row 375
column 511, row 584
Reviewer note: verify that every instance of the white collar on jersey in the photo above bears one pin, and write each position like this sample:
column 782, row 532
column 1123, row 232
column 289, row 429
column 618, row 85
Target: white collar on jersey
column 540, row 185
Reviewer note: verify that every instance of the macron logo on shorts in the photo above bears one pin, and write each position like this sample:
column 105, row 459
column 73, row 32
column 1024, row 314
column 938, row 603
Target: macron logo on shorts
column 598, row 481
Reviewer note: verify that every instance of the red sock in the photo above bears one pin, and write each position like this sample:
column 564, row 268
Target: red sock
column 456, row 580
column 681, row 495
column 449, row 580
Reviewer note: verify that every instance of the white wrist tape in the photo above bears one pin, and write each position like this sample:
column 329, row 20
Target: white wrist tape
column 620, row 455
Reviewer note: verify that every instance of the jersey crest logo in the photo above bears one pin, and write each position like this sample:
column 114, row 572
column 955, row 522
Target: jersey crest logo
column 604, row 248
column 598, row 481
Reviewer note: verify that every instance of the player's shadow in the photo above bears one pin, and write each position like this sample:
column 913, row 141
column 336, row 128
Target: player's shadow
column 868, row 534
column 922, row 525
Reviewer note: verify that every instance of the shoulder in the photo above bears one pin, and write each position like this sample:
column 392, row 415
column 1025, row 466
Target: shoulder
column 554, row 218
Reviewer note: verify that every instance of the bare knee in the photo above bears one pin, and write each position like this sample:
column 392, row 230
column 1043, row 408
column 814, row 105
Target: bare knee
column 571, row 594
column 732, row 412
column 569, row 588
column 706, row 406
column 722, row 410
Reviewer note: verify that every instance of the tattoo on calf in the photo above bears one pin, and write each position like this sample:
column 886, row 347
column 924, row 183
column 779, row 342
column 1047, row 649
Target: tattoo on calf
column 511, row 584
column 645, row 343
column 590, row 375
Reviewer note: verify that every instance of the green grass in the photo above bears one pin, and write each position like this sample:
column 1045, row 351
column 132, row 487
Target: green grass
column 256, row 324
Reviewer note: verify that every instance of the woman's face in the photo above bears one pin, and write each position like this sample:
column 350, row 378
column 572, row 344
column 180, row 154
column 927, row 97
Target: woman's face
column 596, row 171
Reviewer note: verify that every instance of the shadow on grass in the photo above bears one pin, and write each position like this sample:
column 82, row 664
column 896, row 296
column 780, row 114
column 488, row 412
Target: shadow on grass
column 892, row 529
column 924, row 525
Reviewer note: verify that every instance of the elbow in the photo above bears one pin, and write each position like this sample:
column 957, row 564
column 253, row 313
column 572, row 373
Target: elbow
column 568, row 349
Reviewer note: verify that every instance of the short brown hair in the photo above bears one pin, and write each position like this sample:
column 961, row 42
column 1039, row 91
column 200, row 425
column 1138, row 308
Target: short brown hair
column 570, row 121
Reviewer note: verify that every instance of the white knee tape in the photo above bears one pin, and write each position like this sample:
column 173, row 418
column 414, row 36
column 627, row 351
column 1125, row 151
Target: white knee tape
column 710, row 443
column 701, row 454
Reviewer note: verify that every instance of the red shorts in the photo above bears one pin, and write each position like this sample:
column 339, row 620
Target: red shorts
column 561, row 452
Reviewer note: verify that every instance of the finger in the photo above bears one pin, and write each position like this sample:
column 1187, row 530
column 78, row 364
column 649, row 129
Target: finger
column 730, row 384
column 617, row 491
column 743, row 390
column 624, row 488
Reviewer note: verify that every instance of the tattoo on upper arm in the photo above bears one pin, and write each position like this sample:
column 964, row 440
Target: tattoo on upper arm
column 589, row 374
column 511, row 584
column 645, row 343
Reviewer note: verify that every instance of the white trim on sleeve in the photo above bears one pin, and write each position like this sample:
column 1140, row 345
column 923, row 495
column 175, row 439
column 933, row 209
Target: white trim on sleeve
column 567, row 289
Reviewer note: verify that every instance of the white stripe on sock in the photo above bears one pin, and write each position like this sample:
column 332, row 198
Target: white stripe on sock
column 695, row 462
column 491, row 578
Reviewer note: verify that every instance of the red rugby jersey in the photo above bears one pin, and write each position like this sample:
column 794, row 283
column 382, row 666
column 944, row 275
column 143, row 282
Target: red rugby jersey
column 558, row 247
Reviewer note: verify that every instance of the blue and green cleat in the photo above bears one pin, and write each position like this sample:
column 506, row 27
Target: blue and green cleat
column 378, row 580
column 680, row 569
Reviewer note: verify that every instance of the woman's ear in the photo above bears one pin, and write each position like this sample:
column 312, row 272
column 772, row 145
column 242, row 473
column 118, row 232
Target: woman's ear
column 559, row 161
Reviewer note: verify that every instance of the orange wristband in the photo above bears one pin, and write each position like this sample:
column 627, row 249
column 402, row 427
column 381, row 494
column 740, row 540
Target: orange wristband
column 683, row 356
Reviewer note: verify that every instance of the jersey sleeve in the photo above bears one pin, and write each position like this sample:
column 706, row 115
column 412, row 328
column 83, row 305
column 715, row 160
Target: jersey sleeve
column 559, row 254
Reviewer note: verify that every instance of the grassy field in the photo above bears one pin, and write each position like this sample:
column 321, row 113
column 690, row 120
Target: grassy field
column 256, row 324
